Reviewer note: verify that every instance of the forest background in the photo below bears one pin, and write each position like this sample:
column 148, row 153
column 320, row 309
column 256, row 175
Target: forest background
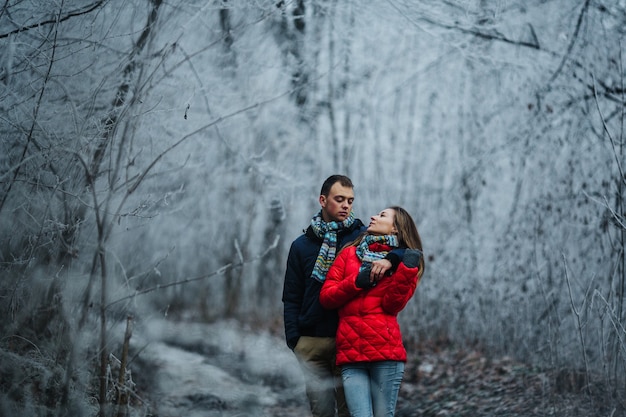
column 158, row 158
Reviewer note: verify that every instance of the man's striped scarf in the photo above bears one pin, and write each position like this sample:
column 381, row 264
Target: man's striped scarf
column 328, row 232
column 366, row 255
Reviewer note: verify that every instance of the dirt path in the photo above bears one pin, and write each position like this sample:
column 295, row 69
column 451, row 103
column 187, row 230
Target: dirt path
column 443, row 380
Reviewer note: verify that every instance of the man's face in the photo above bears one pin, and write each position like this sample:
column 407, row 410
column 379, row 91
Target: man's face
column 337, row 205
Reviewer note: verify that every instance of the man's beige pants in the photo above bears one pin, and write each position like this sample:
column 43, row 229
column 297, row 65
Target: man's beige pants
column 322, row 377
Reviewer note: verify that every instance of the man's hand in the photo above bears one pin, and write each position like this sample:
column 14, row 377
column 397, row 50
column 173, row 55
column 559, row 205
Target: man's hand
column 379, row 269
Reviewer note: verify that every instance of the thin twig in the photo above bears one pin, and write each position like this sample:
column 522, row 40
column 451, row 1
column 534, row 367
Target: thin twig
column 618, row 326
column 606, row 129
column 57, row 20
column 31, row 134
column 570, row 47
column 579, row 324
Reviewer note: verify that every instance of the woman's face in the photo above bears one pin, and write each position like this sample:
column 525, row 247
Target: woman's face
column 382, row 223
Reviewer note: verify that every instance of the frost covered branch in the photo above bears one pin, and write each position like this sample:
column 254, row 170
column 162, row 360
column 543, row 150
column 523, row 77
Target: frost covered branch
column 70, row 15
column 219, row 271
column 579, row 322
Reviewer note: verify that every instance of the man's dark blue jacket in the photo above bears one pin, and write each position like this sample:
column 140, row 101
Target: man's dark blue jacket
column 303, row 314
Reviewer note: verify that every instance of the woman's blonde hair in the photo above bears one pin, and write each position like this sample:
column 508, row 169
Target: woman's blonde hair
column 408, row 236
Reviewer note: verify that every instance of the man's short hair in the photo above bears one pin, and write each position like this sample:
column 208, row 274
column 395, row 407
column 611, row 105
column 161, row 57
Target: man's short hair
column 330, row 181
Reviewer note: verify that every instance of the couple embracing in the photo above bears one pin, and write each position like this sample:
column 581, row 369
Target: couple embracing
column 345, row 284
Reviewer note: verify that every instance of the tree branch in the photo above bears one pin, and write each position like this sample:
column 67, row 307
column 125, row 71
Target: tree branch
column 571, row 44
column 219, row 271
column 606, row 129
column 495, row 36
column 70, row 15
column 29, row 138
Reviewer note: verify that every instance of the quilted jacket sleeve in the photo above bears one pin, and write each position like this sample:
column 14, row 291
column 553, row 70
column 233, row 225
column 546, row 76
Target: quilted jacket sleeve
column 339, row 287
column 400, row 289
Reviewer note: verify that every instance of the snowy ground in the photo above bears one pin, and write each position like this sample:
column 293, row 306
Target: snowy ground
column 193, row 370
column 226, row 370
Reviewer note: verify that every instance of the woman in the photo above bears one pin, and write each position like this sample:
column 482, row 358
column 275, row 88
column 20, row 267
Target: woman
column 369, row 343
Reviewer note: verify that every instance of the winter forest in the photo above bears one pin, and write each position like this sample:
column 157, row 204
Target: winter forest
column 157, row 159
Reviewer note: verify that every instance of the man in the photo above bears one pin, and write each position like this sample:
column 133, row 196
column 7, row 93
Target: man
column 309, row 328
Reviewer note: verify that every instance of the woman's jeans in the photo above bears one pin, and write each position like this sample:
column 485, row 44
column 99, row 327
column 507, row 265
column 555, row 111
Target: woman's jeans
column 371, row 388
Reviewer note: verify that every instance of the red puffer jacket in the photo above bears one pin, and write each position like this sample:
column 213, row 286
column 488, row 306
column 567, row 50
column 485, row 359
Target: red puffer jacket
column 368, row 328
